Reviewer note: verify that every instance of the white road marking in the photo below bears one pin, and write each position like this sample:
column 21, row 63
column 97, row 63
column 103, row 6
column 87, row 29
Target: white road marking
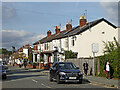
column 34, row 81
column 45, row 85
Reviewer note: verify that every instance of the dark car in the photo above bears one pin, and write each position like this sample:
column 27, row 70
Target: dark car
column 3, row 74
column 65, row 71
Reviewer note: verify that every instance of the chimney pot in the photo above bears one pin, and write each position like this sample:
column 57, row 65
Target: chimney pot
column 48, row 33
column 57, row 30
column 83, row 21
column 68, row 26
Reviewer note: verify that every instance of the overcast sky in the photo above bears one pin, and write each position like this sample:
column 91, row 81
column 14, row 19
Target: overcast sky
column 27, row 22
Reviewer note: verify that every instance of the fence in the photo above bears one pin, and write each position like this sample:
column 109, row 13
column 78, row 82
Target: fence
column 79, row 63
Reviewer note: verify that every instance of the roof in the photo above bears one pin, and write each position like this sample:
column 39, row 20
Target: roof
column 87, row 26
column 74, row 31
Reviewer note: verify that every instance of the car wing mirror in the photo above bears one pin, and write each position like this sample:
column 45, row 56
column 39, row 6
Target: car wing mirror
column 77, row 67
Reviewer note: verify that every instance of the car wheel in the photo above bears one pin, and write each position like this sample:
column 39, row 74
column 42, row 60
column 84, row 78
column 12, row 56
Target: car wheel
column 5, row 77
column 51, row 79
column 58, row 79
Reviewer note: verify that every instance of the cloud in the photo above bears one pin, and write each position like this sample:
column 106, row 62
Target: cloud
column 8, row 12
column 111, row 9
column 18, row 38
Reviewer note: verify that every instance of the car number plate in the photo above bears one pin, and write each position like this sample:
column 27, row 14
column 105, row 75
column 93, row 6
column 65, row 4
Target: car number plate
column 72, row 77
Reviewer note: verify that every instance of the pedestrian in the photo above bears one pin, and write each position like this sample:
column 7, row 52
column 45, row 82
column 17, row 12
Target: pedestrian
column 107, row 69
column 20, row 64
column 25, row 64
column 85, row 65
column 111, row 72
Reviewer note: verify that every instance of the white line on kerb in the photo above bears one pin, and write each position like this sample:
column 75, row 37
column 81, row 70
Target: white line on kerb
column 45, row 85
column 34, row 80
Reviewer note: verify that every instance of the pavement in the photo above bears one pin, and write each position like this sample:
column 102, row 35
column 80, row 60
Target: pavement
column 113, row 83
column 102, row 81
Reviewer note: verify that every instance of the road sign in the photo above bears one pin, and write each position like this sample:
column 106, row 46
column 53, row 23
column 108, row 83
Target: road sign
column 95, row 47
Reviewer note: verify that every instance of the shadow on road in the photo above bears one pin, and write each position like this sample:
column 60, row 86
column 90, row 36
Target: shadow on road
column 15, row 77
column 22, row 73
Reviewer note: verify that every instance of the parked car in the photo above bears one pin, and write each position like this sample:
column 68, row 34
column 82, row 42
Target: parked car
column 3, row 74
column 65, row 72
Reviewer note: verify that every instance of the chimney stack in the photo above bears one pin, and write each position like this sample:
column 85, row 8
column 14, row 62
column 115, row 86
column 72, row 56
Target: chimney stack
column 57, row 30
column 83, row 21
column 48, row 33
column 68, row 26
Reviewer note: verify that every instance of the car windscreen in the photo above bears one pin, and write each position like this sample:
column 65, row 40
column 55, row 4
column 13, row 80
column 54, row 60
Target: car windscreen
column 67, row 66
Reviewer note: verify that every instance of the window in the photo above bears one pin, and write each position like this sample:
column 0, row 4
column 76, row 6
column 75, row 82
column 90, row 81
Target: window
column 73, row 41
column 103, row 32
column 45, row 46
column 66, row 42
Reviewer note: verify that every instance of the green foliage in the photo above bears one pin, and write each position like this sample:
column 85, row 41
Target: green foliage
column 69, row 54
column 31, row 63
column 41, row 60
column 113, row 56
column 30, row 57
column 5, row 51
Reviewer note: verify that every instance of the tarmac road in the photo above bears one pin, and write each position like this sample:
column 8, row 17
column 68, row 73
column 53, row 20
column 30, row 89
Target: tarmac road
column 21, row 78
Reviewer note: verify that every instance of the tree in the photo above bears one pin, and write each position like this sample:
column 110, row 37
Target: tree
column 5, row 51
column 111, row 46
column 30, row 57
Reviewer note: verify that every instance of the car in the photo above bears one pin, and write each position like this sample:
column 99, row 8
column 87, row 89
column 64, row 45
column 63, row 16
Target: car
column 65, row 72
column 3, row 72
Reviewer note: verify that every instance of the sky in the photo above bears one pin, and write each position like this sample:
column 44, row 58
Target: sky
column 27, row 22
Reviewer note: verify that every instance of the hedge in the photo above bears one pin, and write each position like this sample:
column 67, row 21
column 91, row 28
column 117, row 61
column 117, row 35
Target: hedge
column 114, row 59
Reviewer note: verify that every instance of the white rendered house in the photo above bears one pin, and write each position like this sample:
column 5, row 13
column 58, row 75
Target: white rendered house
column 79, row 39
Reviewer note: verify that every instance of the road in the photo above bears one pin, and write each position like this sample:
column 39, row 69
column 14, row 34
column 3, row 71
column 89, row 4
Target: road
column 20, row 78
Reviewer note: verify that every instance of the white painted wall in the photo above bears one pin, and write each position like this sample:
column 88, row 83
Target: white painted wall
column 83, row 43
column 25, row 51
column 64, row 43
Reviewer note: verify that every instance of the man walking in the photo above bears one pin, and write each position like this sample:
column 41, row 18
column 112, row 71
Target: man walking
column 85, row 65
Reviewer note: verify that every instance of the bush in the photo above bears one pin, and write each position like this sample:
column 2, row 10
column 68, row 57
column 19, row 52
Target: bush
column 69, row 54
column 111, row 54
column 31, row 63
column 112, row 57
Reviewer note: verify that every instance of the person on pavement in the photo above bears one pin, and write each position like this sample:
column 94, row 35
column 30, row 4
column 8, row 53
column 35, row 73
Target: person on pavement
column 111, row 72
column 85, row 65
column 107, row 69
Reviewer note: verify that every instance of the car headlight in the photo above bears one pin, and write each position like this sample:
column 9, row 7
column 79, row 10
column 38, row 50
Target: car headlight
column 80, row 73
column 62, row 73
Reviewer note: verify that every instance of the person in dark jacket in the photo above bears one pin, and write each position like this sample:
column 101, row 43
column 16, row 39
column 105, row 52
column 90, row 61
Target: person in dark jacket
column 111, row 72
column 85, row 65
